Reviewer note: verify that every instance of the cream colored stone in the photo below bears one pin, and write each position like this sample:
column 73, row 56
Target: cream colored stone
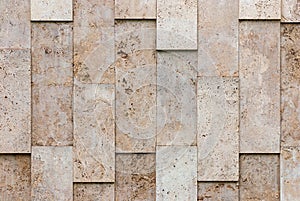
column 218, row 129
column 218, row 191
column 177, row 24
column 51, row 173
column 176, row 173
column 135, row 9
column 290, row 11
column 260, row 9
column 259, row 87
column 94, row 133
column 15, row 108
column 93, row 192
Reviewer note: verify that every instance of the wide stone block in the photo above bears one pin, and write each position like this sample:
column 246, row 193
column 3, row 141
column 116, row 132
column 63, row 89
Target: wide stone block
column 93, row 192
column 260, row 9
column 290, row 11
column 135, row 9
column 218, row 191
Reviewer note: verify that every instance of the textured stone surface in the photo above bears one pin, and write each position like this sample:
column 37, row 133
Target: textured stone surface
column 259, row 86
column 290, row 11
column 52, row 82
column 260, row 9
column 218, row 126
column 15, row 125
column 135, row 86
column 94, row 41
column 259, row 177
column 218, row 191
column 135, row 9
column 15, row 177
column 51, row 173
column 218, row 37
column 135, row 177
column 51, row 10
column 176, row 173
column 15, row 24
column 176, row 24
column 93, row 192
column 176, row 97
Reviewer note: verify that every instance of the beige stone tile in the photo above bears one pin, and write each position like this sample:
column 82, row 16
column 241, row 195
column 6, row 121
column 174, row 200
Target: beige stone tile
column 260, row 9
column 259, row 177
column 218, row 191
column 135, row 86
column 51, row 10
column 94, row 133
column 135, row 9
column 51, row 173
column 218, row 129
column 218, row 37
column 93, row 192
column 52, row 83
column 135, row 177
column 15, row 177
column 15, row 24
column 94, row 41
column 15, row 125
column 177, row 25
column 259, row 86
column 290, row 11
column 176, row 173
column 176, row 98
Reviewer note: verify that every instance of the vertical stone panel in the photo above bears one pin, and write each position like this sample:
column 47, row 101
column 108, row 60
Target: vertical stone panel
column 290, row 11
column 260, row 9
column 135, row 9
column 93, row 192
column 218, row 191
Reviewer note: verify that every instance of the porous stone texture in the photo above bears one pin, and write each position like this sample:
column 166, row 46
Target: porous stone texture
column 51, row 10
column 15, row 124
column 176, row 25
column 135, row 9
column 218, row 37
column 94, row 41
column 135, row 177
column 93, row 192
column 259, row 87
column 51, row 173
column 15, row 177
column 52, row 82
column 260, row 9
column 94, row 133
column 135, row 86
column 176, row 97
column 290, row 11
column 176, row 173
column 259, row 177
column 218, row 191
column 218, row 129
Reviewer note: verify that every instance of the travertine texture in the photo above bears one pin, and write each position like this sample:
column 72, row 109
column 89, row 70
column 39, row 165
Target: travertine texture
column 218, row 191
column 218, row 126
column 290, row 11
column 260, row 9
column 259, row 86
column 135, row 86
column 176, row 24
column 218, row 37
column 176, row 97
column 176, row 173
column 51, row 173
column 15, row 177
column 51, row 10
column 94, row 41
column 52, row 83
column 259, row 177
column 93, row 192
column 135, row 9
column 94, row 133
column 15, row 124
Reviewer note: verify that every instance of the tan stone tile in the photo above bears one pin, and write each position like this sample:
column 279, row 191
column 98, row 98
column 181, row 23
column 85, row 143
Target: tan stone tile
column 94, row 133
column 51, row 173
column 93, row 192
column 135, row 9
column 259, row 177
column 15, row 125
column 15, row 177
column 218, row 37
column 259, row 86
column 94, row 41
column 290, row 11
column 260, row 9
column 218, row 126
column 218, row 191
column 177, row 25
column 135, row 177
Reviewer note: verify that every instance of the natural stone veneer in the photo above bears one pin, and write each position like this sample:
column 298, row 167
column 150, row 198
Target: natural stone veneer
column 135, row 9
column 93, row 192
column 290, row 11
column 260, row 9
column 218, row 191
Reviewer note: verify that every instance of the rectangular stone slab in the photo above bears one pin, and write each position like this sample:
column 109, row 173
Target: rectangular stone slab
column 51, row 173
column 218, row 126
column 218, row 191
column 176, row 25
column 290, row 11
column 135, row 9
column 94, row 133
column 260, row 9
column 176, row 97
column 15, row 104
column 259, row 86
column 93, row 192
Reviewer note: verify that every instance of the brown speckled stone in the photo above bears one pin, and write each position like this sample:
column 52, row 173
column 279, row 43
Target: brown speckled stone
column 260, row 9
column 218, row 191
column 290, row 11
column 93, row 192
column 135, row 9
